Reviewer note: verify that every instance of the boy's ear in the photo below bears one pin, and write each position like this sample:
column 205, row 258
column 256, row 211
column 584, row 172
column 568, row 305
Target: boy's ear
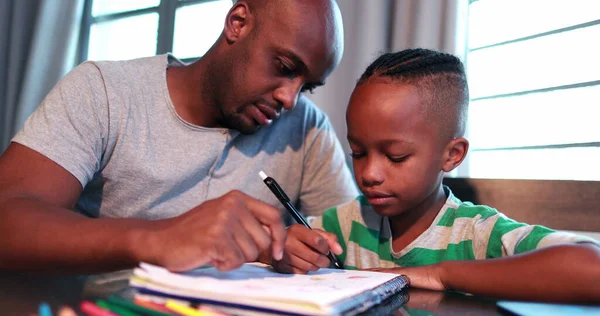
column 238, row 22
column 455, row 153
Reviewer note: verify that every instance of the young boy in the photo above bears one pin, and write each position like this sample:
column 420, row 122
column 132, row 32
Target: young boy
column 406, row 121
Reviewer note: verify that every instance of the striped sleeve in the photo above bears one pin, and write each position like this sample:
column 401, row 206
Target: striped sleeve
column 316, row 222
column 331, row 223
column 326, row 221
column 509, row 237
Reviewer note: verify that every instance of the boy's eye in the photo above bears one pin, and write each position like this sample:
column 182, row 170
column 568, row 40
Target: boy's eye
column 397, row 159
column 356, row 155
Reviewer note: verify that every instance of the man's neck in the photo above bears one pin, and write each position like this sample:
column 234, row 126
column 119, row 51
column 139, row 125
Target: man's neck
column 191, row 94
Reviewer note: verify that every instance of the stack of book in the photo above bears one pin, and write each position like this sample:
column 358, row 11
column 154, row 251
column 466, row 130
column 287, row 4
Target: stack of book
column 256, row 288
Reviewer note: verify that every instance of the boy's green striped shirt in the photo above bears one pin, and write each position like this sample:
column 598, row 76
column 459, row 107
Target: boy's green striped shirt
column 460, row 231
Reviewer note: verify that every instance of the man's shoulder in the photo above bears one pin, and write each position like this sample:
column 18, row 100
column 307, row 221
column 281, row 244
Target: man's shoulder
column 99, row 74
column 309, row 112
column 132, row 67
column 305, row 123
column 308, row 104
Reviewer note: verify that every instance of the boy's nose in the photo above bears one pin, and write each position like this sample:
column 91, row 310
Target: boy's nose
column 371, row 174
column 370, row 182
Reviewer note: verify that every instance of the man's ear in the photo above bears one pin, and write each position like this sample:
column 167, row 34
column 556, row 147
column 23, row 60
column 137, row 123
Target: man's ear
column 238, row 23
column 454, row 153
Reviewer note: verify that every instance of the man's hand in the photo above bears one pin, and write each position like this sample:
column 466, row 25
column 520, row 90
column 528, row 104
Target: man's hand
column 306, row 250
column 423, row 277
column 225, row 232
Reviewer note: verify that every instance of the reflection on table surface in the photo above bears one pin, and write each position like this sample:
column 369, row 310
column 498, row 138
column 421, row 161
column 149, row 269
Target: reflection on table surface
column 423, row 302
column 21, row 294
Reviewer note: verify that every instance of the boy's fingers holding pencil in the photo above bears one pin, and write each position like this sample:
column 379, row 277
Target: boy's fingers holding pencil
column 307, row 245
column 285, row 267
column 332, row 241
column 309, row 238
column 305, row 250
column 291, row 263
column 299, row 245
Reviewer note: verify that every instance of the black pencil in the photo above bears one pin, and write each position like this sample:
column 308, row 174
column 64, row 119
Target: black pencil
column 285, row 200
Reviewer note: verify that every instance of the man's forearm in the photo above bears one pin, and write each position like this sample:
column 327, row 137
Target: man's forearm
column 39, row 237
column 567, row 273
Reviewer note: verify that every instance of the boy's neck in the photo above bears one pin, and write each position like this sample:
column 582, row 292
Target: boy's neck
column 409, row 225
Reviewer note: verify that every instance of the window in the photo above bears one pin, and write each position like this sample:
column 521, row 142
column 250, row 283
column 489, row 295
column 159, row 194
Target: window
column 534, row 76
column 126, row 29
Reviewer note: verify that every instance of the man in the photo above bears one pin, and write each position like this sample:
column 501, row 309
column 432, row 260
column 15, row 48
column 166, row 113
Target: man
column 157, row 151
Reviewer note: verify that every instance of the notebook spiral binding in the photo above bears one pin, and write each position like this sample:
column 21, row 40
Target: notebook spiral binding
column 373, row 297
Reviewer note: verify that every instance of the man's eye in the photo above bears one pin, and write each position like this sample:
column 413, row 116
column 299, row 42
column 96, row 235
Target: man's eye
column 309, row 89
column 284, row 70
column 356, row 155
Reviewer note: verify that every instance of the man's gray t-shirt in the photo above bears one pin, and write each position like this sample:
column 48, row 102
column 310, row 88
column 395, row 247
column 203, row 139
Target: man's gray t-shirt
column 113, row 126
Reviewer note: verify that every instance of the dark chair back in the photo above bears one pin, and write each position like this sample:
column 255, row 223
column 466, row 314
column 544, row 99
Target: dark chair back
column 563, row 205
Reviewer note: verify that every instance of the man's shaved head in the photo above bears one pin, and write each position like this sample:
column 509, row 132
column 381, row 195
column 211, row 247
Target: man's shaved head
column 323, row 17
column 269, row 52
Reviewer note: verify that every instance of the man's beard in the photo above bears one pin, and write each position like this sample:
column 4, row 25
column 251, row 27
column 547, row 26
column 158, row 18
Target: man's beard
column 239, row 121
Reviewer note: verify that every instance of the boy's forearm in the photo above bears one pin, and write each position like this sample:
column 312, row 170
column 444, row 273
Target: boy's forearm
column 562, row 273
column 38, row 237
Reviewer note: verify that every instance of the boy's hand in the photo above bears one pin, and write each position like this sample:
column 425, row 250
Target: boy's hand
column 423, row 277
column 306, row 250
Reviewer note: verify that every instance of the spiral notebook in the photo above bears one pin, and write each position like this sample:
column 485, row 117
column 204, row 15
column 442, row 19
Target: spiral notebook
column 256, row 287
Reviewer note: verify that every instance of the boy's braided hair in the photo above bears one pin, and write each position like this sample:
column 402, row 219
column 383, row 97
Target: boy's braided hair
column 439, row 77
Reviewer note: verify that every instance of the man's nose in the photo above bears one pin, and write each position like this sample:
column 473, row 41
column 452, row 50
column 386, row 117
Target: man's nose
column 287, row 95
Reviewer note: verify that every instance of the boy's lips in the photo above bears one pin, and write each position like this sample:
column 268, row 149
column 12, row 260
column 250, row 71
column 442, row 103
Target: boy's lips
column 378, row 198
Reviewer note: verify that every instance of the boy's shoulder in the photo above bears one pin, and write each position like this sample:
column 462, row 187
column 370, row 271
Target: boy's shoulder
column 454, row 208
column 359, row 211
column 460, row 209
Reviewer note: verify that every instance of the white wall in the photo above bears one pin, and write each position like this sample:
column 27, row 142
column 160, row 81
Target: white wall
column 364, row 39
